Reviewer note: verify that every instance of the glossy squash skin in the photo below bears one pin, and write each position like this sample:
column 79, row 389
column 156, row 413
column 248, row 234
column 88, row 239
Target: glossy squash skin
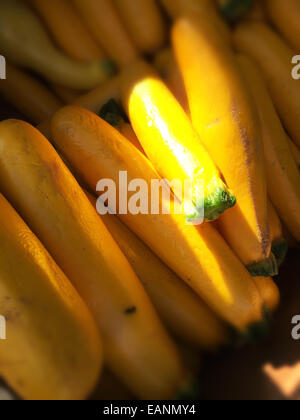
column 52, row 349
column 283, row 176
column 182, row 311
column 198, row 255
column 164, row 129
column 274, row 57
column 53, row 204
column 225, row 117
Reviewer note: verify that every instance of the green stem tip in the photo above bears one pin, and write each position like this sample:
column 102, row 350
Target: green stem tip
column 258, row 330
column 217, row 199
column 217, row 204
column 112, row 113
column 265, row 268
column 234, row 10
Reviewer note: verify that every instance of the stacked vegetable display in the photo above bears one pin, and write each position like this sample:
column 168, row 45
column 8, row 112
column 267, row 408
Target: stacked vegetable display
column 107, row 94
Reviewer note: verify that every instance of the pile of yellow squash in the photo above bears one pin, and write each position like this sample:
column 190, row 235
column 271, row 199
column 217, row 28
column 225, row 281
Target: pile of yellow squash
column 173, row 89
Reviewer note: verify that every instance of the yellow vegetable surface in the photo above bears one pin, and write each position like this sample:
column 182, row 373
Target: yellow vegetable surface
column 285, row 15
column 164, row 129
column 283, row 176
column 182, row 311
column 52, row 348
column 226, row 120
column 105, row 24
column 144, row 23
column 137, row 348
column 198, row 255
column 274, row 57
column 68, row 29
column 25, row 42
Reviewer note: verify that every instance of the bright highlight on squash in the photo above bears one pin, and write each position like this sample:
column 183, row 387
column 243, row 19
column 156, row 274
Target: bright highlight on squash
column 225, row 118
column 163, row 129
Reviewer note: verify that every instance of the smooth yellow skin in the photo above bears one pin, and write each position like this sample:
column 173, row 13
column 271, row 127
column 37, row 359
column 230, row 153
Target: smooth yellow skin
column 28, row 95
column 274, row 57
column 182, row 311
column 67, row 29
column 110, row 389
column 274, row 223
column 165, row 64
column 224, row 115
column 107, row 28
column 25, row 42
column 269, row 292
column 164, row 129
column 283, row 176
column 285, row 16
column 52, row 349
column 178, row 8
column 198, row 255
column 144, row 23
column 137, row 348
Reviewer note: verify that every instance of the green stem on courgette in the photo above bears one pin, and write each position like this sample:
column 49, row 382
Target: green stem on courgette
column 265, row 268
column 233, row 10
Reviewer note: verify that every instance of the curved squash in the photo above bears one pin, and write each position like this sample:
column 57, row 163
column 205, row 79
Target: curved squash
column 51, row 201
column 24, row 41
column 53, row 349
column 178, row 8
column 285, row 15
column 198, row 255
column 269, row 292
column 274, row 57
column 225, row 117
column 283, row 176
column 104, row 23
column 164, row 129
column 28, row 95
column 178, row 306
column 67, row 29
